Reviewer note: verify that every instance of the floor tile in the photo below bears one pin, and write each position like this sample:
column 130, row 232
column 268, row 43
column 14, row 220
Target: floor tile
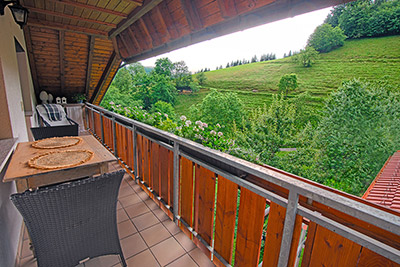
column 29, row 261
column 119, row 205
column 200, row 258
column 129, row 200
column 126, row 191
column 155, row 234
column 171, row 227
column 137, row 209
column 126, row 228
column 160, row 214
column 145, row 259
column 143, row 195
column 121, row 216
column 132, row 245
column 151, row 204
column 184, row 261
column 26, row 251
column 167, row 251
column 137, row 188
column 103, row 261
column 185, row 241
column 145, row 221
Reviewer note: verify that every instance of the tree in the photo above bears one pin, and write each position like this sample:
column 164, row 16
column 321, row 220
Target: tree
column 222, row 108
column 254, row 59
column 326, row 38
column 288, row 82
column 164, row 66
column 358, row 133
column 181, row 75
column 201, row 78
column 306, row 57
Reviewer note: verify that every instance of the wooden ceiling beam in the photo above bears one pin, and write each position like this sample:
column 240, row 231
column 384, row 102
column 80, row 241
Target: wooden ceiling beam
column 227, row 7
column 133, row 37
column 85, row 6
column 111, row 61
column 89, row 65
column 191, row 14
column 169, row 21
column 146, row 31
column 32, row 61
column 60, row 26
column 136, row 14
column 61, row 37
column 62, row 15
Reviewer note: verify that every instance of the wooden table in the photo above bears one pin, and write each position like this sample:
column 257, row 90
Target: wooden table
column 31, row 178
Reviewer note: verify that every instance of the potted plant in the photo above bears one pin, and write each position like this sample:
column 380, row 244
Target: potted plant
column 79, row 98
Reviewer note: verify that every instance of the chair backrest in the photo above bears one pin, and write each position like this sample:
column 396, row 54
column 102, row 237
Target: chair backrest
column 43, row 114
column 72, row 221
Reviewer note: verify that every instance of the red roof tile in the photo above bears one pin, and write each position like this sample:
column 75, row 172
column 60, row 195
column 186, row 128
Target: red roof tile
column 385, row 189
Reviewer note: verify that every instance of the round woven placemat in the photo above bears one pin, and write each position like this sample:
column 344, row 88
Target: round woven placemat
column 57, row 142
column 60, row 159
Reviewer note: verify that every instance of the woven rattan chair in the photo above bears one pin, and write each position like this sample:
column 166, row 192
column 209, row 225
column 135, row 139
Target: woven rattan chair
column 73, row 221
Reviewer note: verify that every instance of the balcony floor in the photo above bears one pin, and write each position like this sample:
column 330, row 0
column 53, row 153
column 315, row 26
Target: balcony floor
column 148, row 236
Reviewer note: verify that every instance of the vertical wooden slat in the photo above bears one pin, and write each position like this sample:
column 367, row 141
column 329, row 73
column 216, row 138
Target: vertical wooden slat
column 186, row 192
column 331, row 249
column 170, row 178
column 139, row 141
column 370, row 258
column 204, row 202
column 164, row 173
column 225, row 218
column 308, row 246
column 130, row 149
column 145, row 159
column 155, row 167
column 249, row 230
column 272, row 245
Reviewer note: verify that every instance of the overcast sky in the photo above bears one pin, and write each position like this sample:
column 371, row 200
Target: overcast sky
column 278, row 37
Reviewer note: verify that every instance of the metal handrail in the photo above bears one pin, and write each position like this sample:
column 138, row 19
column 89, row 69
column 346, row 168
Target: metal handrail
column 378, row 217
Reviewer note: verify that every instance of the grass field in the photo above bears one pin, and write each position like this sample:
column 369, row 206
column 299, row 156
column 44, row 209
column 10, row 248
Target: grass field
column 368, row 59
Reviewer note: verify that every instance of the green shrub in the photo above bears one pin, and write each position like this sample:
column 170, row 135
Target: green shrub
column 326, row 38
column 306, row 57
column 287, row 83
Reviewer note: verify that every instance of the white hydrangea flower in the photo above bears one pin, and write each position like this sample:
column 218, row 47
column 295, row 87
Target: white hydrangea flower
column 188, row 122
column 220, row 134
column 205, row 125
column 213, row 132
column 199, row 123
column 179, row 128
column 218, row 125
column 183, row 118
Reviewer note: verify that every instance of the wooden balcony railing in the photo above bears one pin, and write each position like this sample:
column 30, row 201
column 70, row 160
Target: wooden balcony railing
column 221, row 203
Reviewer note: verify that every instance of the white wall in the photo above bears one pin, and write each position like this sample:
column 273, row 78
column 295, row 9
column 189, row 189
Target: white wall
column 12, row 124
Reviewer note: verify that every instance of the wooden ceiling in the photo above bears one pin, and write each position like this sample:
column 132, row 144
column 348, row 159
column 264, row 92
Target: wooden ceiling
column 76, row 46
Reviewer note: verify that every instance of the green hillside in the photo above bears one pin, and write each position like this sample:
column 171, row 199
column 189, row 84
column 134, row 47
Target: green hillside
column 369, row 59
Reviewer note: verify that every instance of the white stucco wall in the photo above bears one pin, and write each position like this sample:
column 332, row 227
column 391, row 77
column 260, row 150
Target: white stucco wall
column 8, row 31
column 11, row 115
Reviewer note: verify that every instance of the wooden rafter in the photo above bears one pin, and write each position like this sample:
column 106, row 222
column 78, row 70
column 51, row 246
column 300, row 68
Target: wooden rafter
column 104, row 76
column 133, row 38
column 168, row 20
column 32, row 61
column 60, row 26
column 146, row 31
column 81, row 5
column 62, row 15
column 134, row 16
column 115, row 45
column 61, row 37
column 227, row 7
column 89, row 64
column 160, row 17
column 191, row 14
column 126, row 44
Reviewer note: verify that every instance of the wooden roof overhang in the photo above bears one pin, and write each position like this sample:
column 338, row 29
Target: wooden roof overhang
column 77, row 46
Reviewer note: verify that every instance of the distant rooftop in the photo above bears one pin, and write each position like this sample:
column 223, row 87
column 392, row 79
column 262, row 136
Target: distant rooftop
column 385, row 189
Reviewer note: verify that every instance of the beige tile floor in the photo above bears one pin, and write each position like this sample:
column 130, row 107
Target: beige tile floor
column 148, row 237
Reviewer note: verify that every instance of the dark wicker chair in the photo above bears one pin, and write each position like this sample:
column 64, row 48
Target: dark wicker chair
column 73, row 221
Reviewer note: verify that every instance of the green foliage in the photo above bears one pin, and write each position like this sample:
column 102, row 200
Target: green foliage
column 306, row 57
column 164, row 66
column 326, row 38
column 221, row 108
column 201, row 78
column 366, row 18
column 358, row 133
column 287, row 83
column 157, row 88
column 182, row 76
column 163, row 107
